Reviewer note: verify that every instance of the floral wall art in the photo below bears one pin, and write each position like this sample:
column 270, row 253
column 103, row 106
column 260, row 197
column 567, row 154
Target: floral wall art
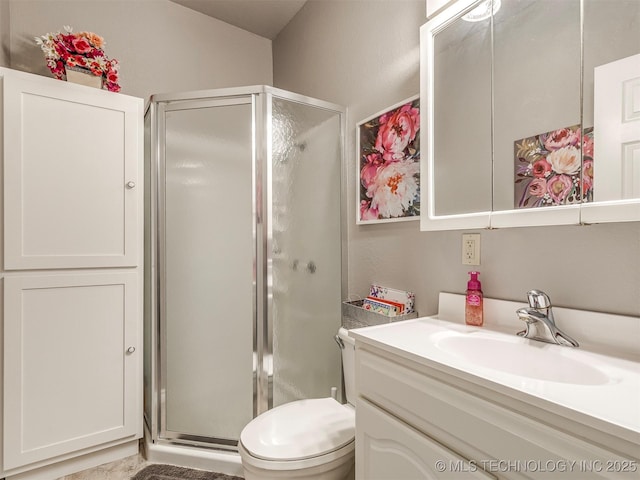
column 549, row 170
column 388, row 148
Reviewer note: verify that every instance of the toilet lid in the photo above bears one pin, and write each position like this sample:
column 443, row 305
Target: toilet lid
column 300, row 429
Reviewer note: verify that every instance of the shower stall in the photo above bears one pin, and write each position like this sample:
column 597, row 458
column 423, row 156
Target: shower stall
column 245, row 265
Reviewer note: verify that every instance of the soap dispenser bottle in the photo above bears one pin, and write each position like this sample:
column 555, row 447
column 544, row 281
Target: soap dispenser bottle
column 473, row 301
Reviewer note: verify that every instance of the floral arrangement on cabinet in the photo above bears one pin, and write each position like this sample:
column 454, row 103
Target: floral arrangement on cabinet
column 389, row 164
column 79, row 51
column 554, row 168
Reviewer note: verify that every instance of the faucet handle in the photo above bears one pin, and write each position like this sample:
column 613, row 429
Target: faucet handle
column 538, row 299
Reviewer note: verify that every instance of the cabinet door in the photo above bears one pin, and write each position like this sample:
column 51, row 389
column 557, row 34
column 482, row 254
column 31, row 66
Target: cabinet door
column 71, row 156
column 387, row 449
column 71, row 364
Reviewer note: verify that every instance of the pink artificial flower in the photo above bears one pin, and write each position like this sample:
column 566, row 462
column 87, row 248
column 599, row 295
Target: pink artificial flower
column 96, row 40
column 81, row 45
column 80, row 60
column 58, row 70
column 561, row 138
column 538, row 187
column 113, row 87
column 60, row 49
column 541, row 168
column 559, row 187
column 95, row 68
column 397, row 130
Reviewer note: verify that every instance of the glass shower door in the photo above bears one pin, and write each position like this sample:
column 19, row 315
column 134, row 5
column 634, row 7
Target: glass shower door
column 208, row 315
column 306, row 236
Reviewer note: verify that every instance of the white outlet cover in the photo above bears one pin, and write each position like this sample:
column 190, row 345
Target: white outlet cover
column 471, row 249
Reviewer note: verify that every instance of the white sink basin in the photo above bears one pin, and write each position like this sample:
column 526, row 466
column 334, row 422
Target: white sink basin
column 576, row 383
column 518, row 356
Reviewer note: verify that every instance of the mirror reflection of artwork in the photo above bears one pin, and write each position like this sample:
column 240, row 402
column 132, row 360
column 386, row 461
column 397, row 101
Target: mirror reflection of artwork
column 389, row 164
column 549, row 170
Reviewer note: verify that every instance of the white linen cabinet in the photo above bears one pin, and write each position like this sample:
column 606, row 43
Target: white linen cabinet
column 71, row 276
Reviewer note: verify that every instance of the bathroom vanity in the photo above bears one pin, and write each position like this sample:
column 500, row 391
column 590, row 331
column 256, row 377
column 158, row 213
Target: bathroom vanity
column 439, row 399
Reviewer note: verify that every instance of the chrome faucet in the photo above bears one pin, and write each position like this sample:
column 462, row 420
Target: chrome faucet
column 540, row 322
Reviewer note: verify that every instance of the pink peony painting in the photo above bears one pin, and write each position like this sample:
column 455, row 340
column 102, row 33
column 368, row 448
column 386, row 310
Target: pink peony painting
column 554, row 168
column 389, row 164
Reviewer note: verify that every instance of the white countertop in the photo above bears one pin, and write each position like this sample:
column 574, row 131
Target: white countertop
column 592, row 389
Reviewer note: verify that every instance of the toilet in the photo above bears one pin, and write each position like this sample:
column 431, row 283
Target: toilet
column 307, row 439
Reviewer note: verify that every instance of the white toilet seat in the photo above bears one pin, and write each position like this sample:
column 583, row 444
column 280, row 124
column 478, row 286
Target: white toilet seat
column 283, row 433
column 328, row 460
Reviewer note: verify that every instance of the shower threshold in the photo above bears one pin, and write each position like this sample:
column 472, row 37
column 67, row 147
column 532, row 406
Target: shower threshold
column 192, row 456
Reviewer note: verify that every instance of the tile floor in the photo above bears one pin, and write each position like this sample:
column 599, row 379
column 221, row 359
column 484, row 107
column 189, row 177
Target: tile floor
column 121, row 470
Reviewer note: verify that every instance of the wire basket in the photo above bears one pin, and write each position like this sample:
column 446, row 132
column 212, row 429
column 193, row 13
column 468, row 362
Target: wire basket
column 354, row 316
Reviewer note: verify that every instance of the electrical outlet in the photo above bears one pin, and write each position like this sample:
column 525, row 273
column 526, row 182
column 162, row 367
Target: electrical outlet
column 471, row 249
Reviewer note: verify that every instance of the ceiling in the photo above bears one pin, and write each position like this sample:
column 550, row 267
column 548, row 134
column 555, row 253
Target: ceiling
column 262, row 17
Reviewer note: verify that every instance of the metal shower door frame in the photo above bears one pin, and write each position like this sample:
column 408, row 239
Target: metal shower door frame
column 261, row 99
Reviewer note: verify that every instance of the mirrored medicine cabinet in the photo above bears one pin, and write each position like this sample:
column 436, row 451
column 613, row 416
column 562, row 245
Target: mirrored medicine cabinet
column 531, row 113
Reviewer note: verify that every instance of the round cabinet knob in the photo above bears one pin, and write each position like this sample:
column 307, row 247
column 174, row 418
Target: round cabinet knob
column 131, row 349
column 131, row 184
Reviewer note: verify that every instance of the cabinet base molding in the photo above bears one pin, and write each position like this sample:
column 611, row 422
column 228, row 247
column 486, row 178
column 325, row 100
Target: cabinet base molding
column 77, row 464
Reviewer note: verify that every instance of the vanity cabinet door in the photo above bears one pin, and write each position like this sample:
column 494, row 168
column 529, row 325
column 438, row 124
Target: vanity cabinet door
column 387, row 448
column 72, row 364
column 71, row 174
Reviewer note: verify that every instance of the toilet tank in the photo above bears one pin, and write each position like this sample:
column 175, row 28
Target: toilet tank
column 348, row 347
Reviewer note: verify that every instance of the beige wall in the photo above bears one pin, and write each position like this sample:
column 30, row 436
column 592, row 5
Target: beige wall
column 364, row 54
column 433, row 6
column 5, row 57
column 161, row 46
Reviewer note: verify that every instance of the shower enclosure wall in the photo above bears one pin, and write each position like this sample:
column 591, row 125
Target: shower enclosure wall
column 245, row 258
